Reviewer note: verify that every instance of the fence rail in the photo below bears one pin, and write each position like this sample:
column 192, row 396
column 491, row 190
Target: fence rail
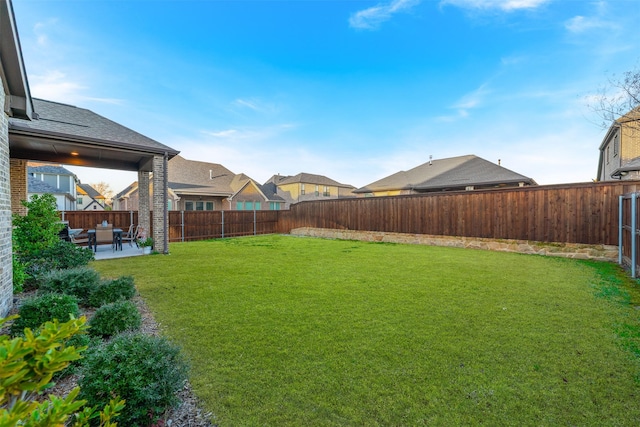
column 574, row 213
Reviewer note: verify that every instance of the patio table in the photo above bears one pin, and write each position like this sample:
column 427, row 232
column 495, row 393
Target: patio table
column 117, row 238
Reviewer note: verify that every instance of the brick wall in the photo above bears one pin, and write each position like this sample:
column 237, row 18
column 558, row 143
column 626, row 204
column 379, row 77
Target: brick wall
column 6, row 250
column 159, row 207
column 18, row 185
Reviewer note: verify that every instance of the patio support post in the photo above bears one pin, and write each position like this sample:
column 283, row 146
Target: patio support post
column 143, row 202
column 18, row 185
column 159, row 204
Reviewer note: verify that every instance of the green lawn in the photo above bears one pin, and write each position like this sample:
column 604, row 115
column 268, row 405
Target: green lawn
column 299, row 331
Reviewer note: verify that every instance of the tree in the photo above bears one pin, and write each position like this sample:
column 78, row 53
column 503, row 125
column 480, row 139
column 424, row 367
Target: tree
column 620, row 101
column 104, row 189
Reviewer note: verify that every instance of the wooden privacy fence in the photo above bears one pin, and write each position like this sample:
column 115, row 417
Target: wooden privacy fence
column 585, row 213
column 199, row 225
column 186, row 225
column 573, row 213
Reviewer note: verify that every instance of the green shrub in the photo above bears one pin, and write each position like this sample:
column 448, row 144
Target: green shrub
column 27, row 367
column 80, row 282
column 144, row 370
column 19, row 275
column 111, row 319
column 109, row 291
column 40, row 309
column 60, row 255
column 63, row 254
column 39, row 228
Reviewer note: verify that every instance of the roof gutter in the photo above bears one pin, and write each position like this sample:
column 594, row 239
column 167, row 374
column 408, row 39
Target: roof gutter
column 84, row 141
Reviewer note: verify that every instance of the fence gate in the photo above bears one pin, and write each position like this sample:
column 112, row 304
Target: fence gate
column 628, row 232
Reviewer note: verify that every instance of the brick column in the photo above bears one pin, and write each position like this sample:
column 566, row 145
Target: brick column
column 159, row 204
column 143, row 202
column 18, row 185
column 6, row 248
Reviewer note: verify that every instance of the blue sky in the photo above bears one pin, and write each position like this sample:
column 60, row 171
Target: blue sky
column 354, row 90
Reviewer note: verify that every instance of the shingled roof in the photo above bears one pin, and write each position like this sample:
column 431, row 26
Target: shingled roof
column 37, row 186
column 90, row 191
column 448, row 174
column 49, row 169
column 58, row 130
column 307, row 178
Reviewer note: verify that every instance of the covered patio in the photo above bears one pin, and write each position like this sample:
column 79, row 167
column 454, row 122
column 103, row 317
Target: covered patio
column 70, row 135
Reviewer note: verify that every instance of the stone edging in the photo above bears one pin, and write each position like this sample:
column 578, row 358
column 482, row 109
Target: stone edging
column 566, row 250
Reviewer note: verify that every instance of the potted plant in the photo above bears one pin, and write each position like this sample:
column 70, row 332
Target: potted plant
column 146, row 245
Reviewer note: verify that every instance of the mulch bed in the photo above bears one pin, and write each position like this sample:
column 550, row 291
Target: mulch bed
column 187, row 413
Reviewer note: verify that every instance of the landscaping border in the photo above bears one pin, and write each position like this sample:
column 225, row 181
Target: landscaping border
column 565, row 250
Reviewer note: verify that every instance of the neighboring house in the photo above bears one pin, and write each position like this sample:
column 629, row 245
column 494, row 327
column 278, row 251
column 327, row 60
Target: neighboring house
column 620, row 149
column 60, row 182
column 202, row 186
column 64, row 200
column 452, row 174
column 306, row 186
column 89, row 199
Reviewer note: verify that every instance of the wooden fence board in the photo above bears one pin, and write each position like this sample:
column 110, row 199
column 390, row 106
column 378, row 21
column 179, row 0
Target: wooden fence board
column 572, row 213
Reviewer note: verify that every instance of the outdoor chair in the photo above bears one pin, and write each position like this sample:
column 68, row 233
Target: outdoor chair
column 131, row 235
column 79, row 239
column 104, row 235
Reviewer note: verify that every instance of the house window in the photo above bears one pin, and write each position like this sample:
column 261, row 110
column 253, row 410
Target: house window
column 79, row 200
column 326, row 192
column 248, row 206
column 239, row 206
column 302, row 192
column 258, row 206
column 209, row 206
column 199, row 206
column 317, row 191
column 188, row 206
column 274, row 206
column 608, row 153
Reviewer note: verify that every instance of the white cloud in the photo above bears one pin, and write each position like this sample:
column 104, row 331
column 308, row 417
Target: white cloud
column 467, row 102
column 55, row 85
column 505, row 5
column 255, row 135
column 371, row 18
column 580, row 24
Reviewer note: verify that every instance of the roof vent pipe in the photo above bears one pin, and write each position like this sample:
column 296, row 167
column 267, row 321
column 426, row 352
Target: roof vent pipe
column 210, row 174
column 430, row 157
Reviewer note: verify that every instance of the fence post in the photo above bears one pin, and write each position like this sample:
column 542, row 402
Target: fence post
column 182, row 224
column 222, row 234
column 254, row 222
column 633, row 235
column 620, row 227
